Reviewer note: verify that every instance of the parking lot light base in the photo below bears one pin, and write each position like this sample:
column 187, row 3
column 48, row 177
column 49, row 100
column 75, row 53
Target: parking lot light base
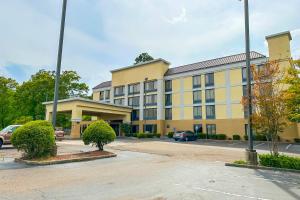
column 251, row 157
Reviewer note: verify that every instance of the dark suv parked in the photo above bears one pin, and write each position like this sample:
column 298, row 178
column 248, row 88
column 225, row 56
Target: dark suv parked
column 184, row 136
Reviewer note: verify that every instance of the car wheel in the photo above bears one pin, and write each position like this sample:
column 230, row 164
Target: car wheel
column 1, row 143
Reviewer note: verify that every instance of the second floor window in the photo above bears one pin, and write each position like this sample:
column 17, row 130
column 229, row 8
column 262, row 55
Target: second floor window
column 210, row 112
column 197, row 81
column 151, row 100
column 119, row 91
column 107, row 94
column 134, row 88
column 244, row 75
column 168, row 100
column 168, row 85
column 135, row 115
column 150, row 86
column 134, row 101
column 101, row 95
column 210, row 95
column 168, row 113
column 119, row 101
column 197, row 96
column 150, row 114
column 209, row 79
column 197, row 110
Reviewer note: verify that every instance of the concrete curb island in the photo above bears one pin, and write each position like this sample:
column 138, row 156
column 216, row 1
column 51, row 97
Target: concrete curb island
column 262, row 167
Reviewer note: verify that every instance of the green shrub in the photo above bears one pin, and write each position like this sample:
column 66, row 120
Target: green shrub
column 297, row 140
column 98, row 133
column 141, row 135
column 245, row 137
column 134, row 134
column 201, row 136
column 126, row 129
column 212, row 136
column 221, row 137
column 35, row 138
column 170, row 134
column 236, row 137
column 128, row 134
column 149, row 135
column 260, row 137
column 158, row 135
column 281, row 161
column 240, row 162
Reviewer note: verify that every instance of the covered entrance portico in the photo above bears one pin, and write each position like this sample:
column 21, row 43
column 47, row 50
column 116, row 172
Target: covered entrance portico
column 77, row 107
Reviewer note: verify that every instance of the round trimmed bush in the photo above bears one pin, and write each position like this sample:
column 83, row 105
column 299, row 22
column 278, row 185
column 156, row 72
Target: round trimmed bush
column 170, row 134
column 98, row 133
column 236, row 137
column 35, row 138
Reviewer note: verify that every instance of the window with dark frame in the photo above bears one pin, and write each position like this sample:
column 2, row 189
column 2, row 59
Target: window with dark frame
column 119, row 101
column 198, row 128
column 107, row 94
column 197, row 97
column 150, row 114
column 168, row 113
column 134, row 101
column 197, row 81
column 209, row 79
column 150, row 100
column 168, row 99
column 210, row 112
column 150, row 86
column 197, row 112
column 101, row 95
column 134, row 88
column 135, row 115
column 168, row 85
column 119, row 91
column 210, row 129
column 209, row 95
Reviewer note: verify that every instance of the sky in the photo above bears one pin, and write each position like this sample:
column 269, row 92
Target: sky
column 101, row 35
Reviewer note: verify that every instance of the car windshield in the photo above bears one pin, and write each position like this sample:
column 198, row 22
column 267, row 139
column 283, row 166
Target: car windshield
column 6, row 129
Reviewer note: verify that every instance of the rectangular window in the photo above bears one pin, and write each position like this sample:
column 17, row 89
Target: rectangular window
column 244, row 75
column 150, row 128
column 168, row 113
column 168, row 85
column 210, row 129
column 210, row 112
column 134, row 101
column 168, row 99
column 119, row 101
column 101, row 95
column 197, row 81
column 150, row 114
column 150, row 86
column 135, row 128
column 135, row 115
column 209, row 79
column 150, row 100
column 134, row 88
column 119, row 91
column 209, row 95
column 197, row 96
column 198, row 128
column 107, row 94
column 197, row 110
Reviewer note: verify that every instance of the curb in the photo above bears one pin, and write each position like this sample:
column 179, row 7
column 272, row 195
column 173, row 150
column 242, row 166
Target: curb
column 41, row 163
column 262, row 167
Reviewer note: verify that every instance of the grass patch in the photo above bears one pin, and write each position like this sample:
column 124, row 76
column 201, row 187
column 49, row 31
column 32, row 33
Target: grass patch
column 240, row 162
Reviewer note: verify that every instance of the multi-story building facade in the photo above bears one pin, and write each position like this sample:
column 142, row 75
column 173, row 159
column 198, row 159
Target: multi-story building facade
column 202, row 97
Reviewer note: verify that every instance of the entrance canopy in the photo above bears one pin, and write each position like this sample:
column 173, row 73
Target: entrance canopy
column 78, row 107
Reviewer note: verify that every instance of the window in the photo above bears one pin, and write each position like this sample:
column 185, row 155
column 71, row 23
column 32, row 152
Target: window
column 209, row 95
column 168, row 99
column 244, row 74
column 168, row 85
column 210, row 129
column 198, row 128
column 135, row 115
column 168, row 113
column 101, row 95
column 150, row 128
column 119, row 91
column 150, row 86
column 197, row 96
column 197, row 81
column 119, row 101
column 107, row 94
column 150, row 114
column 245, row 90
column 209, row 79
column 150, row 100
column 197, row 110
column 134, row 101
column 210, row 112
column 135, row 128
column 134, row 88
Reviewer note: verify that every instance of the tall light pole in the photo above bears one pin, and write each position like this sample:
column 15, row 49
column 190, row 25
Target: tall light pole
column 250, row 152
column 58, row 65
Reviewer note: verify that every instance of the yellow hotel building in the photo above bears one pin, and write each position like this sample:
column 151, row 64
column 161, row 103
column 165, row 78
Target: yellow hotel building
column 203, row 96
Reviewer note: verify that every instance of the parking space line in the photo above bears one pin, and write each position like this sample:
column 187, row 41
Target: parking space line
column 260, row 144
column 288, row 146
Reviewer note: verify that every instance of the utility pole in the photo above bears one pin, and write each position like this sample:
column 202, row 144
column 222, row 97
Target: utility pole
column 58, row 65
column 250, row 152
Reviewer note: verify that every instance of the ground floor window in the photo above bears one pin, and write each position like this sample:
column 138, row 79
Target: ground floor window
column 198, row 128
column 210, row 129
column 135, row 128
column 150, row 128
column 135, row 115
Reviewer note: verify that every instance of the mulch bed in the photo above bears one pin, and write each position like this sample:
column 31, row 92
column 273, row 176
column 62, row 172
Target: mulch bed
column 59, row 159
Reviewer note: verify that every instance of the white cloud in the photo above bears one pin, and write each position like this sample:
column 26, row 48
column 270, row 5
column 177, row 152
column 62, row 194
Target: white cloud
column 181, row 18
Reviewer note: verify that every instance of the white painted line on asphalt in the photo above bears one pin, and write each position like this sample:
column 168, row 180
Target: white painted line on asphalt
column 288, row 146
column 230, row 194
column 260, row 144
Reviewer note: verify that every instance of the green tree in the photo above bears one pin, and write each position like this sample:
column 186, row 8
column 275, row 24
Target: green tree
column 23, row 120
column 292, row 94
column 143, row 57
column 7, row 91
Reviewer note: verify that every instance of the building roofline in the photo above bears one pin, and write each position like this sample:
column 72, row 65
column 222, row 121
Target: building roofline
column 85, row 100
column 141, row 64
column 279, row 34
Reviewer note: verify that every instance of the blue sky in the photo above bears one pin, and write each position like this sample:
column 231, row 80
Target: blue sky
column 102, row 35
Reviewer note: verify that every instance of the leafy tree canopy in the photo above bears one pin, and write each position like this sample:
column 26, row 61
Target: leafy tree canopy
column 143, row 57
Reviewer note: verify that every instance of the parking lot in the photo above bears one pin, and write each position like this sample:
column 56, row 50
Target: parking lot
column 147, row 169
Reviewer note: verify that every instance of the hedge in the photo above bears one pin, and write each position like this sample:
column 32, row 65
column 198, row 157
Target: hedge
column 201, row 136
column 36, row 139
column 141, row 135
column 280, row 161
column 236, row 137
column 170, row 134
column 221, row 136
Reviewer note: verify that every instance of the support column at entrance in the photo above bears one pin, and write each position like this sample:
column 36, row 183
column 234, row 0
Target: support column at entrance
column 76, row 119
